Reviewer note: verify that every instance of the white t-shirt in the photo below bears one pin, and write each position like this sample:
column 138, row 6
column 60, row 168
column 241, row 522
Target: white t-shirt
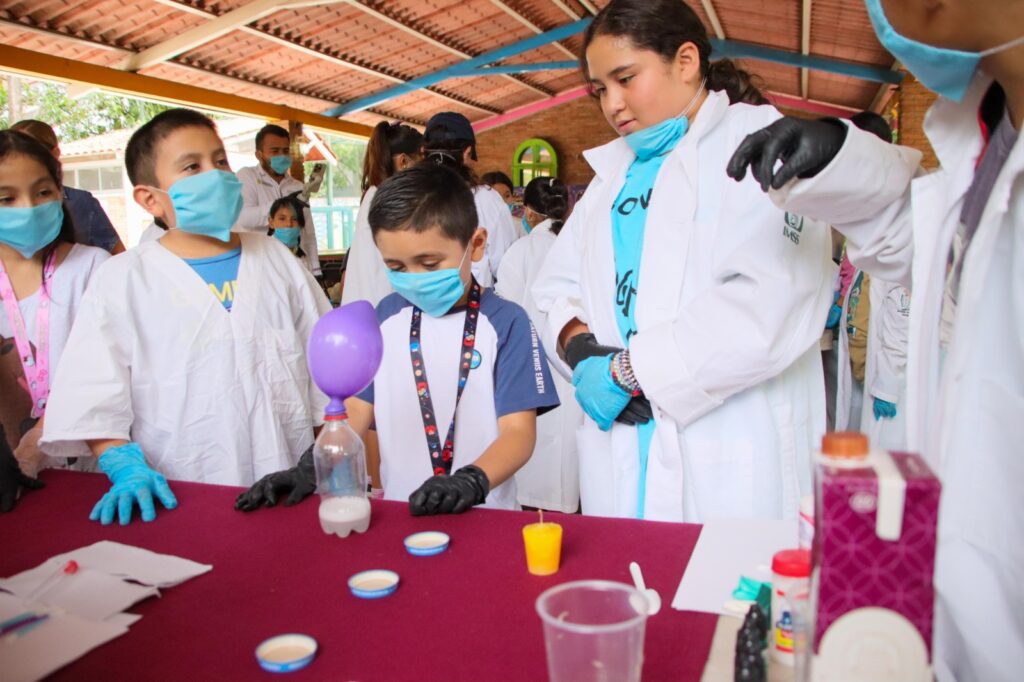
column 70, row 280
column 509, row 374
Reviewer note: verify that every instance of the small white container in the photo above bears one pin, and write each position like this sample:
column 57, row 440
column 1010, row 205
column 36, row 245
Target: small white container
column 791, row 577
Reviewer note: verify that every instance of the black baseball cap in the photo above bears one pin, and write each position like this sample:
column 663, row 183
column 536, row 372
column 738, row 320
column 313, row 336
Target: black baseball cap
column 449, row 126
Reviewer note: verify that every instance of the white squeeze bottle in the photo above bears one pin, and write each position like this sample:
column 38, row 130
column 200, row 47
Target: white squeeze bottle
column 340, row 461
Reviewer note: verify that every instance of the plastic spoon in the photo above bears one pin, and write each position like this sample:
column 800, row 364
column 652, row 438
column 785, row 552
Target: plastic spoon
column 653, row 598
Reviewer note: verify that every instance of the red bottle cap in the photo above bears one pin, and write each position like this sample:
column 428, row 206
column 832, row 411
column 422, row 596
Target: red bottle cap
column 792, row 563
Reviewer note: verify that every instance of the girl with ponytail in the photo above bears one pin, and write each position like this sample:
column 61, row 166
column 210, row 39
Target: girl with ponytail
column 685, row 307
column 550, row 479
column 393, row 147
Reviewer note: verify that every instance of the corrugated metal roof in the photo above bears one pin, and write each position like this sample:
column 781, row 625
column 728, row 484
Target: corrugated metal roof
column 314, row 55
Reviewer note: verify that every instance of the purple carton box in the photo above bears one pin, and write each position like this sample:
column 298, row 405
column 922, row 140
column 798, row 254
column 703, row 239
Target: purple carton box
column 874, row 542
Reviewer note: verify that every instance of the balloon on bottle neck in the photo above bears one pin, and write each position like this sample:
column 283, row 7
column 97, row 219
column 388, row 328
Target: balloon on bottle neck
column 344, row 353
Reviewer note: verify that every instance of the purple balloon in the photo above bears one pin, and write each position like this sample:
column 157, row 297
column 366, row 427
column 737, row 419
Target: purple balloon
column 344, row 352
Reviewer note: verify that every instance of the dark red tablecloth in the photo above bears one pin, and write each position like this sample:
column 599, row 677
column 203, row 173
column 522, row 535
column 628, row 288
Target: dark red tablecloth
column 467, row 614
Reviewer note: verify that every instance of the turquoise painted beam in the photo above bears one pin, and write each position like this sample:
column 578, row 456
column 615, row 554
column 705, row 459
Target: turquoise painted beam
column 517, row 68
column 730, row 49
column 511, row 50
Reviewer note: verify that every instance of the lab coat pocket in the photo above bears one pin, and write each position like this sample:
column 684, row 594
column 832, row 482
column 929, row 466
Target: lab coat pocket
column 597, row 470
column 718, row 474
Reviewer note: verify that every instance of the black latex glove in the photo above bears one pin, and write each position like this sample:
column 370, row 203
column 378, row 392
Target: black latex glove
column 299, row 482
column 804, row 147
column 583, row 346
column 297, row 200
column 11, row 477
column 453, row 494
column 638, row 411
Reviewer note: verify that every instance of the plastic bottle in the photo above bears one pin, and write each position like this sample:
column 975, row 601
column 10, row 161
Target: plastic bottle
column 340, row 461
column 791, row 573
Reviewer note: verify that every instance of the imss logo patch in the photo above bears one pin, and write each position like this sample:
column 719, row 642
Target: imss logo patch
column 792, row 228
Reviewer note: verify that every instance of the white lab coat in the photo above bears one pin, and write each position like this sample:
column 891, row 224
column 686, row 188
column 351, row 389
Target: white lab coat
column 493, row 215
column 259, row 192
column 211, row 396
column 729, row 314
column 551, row 479
column 968, row 419
column 366, row 276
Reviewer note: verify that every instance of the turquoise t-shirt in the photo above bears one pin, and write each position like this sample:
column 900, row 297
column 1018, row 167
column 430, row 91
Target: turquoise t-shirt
column 629, row 219
column 220, row 273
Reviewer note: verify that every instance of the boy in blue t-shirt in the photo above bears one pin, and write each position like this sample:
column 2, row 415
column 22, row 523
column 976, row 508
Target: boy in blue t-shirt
column 463, row 377
column 171, row 371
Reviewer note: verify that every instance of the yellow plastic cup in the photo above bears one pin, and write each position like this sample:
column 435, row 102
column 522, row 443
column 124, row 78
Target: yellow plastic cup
column 543, row 547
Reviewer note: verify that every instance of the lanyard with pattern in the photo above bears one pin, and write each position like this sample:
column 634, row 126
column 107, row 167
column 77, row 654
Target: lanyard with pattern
column 35, row 365
column 441, row 457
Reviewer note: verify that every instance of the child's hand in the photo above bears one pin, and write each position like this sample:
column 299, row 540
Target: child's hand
column 133, row 483
column 299, row 482
column 453, row 494
column 11, row 477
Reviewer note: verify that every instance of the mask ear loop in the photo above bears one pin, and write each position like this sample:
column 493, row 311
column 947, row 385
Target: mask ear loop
column 999, row 48
column 696, row 96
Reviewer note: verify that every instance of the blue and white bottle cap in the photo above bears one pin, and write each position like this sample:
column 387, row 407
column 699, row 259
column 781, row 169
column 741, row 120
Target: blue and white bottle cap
column 286, row 653
column 373, row 584
column 427, row 543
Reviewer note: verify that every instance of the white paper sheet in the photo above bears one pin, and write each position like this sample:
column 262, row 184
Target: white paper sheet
column 87, row 593
column 134, row 563
column 727, row 549
column 50, row 645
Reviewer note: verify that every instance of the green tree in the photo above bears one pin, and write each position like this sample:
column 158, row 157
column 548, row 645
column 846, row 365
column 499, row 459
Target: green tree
column 74, row 119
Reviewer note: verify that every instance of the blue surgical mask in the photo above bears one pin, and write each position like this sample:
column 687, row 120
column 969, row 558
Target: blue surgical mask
column 281, row 163
column 662, row 137
column 942, row 70
column 432, row 292
column 289, row 236
column 207, row 203
column 527, row 226
column 29, row 230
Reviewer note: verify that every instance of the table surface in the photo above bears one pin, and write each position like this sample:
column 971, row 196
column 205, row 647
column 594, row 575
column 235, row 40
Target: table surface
column 467, row 614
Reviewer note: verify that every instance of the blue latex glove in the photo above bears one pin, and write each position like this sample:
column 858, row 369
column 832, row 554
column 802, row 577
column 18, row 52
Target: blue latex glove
column 883, row 409
column 133, row 481
column 597, row 393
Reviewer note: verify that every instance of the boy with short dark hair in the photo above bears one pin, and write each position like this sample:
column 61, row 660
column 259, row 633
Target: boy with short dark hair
column 463, row 377
column 187, row 358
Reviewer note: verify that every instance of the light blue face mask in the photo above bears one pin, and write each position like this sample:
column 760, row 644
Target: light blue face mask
column 941, row 70
column 661, row 138
column 289, row 236
column 207, row 203
column 432, row 292
column 29, row 230
column 526, row 225
column 281, row 163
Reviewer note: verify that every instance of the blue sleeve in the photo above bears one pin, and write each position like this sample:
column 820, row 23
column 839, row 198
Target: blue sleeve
column 92, row 225
column 522, row 378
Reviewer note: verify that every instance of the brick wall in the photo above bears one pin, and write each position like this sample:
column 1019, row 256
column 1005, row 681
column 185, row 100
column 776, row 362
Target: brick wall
column 570, row 128
column 576, row 126
column 914, row 101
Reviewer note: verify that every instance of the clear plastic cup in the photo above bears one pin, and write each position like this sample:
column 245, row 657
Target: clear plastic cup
column 593, row 631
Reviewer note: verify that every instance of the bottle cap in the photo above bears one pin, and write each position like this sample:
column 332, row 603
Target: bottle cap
column 427, row 543
column 286, row 653
column 373, row 584
column 792, row 563
column 845, row 445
